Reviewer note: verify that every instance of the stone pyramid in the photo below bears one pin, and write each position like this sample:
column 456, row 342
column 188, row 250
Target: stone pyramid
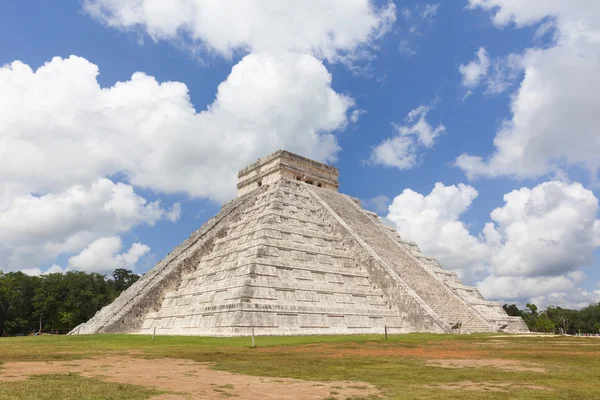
column 292, row 256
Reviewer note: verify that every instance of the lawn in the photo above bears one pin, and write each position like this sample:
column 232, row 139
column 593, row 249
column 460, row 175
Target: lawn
column 411, row 366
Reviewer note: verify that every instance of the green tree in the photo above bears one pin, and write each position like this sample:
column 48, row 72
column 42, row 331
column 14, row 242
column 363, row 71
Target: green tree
column 530, row 316
column 532, row 308
column 512, row 310
column 77, row 293
column 562, row 318
column 55, row 301
column 123, row 279
column 16, row 307
column 545, row 324
column 67, row 318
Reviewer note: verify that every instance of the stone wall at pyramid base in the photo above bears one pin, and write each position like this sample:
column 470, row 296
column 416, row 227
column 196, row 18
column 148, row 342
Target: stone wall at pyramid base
column 242, row 322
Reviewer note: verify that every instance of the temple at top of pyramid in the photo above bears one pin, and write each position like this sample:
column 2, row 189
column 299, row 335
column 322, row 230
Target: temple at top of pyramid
column 292, row 256
column 285, row 165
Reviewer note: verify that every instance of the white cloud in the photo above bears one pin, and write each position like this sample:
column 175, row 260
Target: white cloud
column 553, row 124
column 473, row 72
column 59, row 127
column 355, row 115
column 574, row 299
column 535, row 245
column 324, row 28
column 547, row 230
column 405, row 48
column 174, row 213
column 54, row 269
column 433, row 222
column 523, row 287
column 427, row 11
column 36, row 229
column 496, row 75
column 402, row 150
column 575, row 17
column 418, row 19
column 102, row 255
column 61, row 133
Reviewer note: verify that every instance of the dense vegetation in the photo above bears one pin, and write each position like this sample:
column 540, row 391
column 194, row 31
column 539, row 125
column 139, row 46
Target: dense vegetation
column 559, row 320
column 55, row 302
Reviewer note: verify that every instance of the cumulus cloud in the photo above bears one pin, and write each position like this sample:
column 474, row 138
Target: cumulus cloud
column 534, row 245
column 547, row 230
column 553, row 124
column 523, row 287
column 36, row 229
column 325, row 28
column 174, row 213
column 54, row 269
column 61, row 134
column 402, row 150
column 102, row 255
column 150, row 132
column 60, row 131
column 574, row 299
column 473, row 72
column 433, row 221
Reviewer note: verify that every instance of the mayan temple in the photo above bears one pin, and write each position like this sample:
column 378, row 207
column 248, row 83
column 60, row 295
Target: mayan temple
column 292, row 256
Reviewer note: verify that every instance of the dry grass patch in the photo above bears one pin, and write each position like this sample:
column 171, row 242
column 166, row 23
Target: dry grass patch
column 190, row 379
column 487, row 386
column 371, row 349
column 505, row 365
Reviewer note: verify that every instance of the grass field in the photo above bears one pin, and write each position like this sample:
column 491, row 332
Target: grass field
column 411, row 366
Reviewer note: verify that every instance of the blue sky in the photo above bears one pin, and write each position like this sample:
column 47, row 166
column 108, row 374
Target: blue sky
column 391, row 58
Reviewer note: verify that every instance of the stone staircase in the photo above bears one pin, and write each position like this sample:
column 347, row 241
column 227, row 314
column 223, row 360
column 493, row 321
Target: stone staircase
column 490, row 310
column 278, row 268
column 442, row 300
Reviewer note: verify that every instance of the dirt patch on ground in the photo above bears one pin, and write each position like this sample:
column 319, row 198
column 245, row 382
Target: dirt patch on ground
column 486, row 386
column 380, row 350
column 189, row 379
column 522, row 335
column 506, row 365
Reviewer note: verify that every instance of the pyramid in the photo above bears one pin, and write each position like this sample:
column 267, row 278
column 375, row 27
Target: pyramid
column 292, row 256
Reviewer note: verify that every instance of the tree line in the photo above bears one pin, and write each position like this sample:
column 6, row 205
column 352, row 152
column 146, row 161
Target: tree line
column 559, row 320
column 56, row 302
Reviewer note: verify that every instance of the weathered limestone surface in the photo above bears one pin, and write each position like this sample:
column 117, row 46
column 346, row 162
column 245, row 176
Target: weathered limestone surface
column 444, row 303
column 291, row 256
column 491, row 311
column 280, row 269
column 126, row 314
